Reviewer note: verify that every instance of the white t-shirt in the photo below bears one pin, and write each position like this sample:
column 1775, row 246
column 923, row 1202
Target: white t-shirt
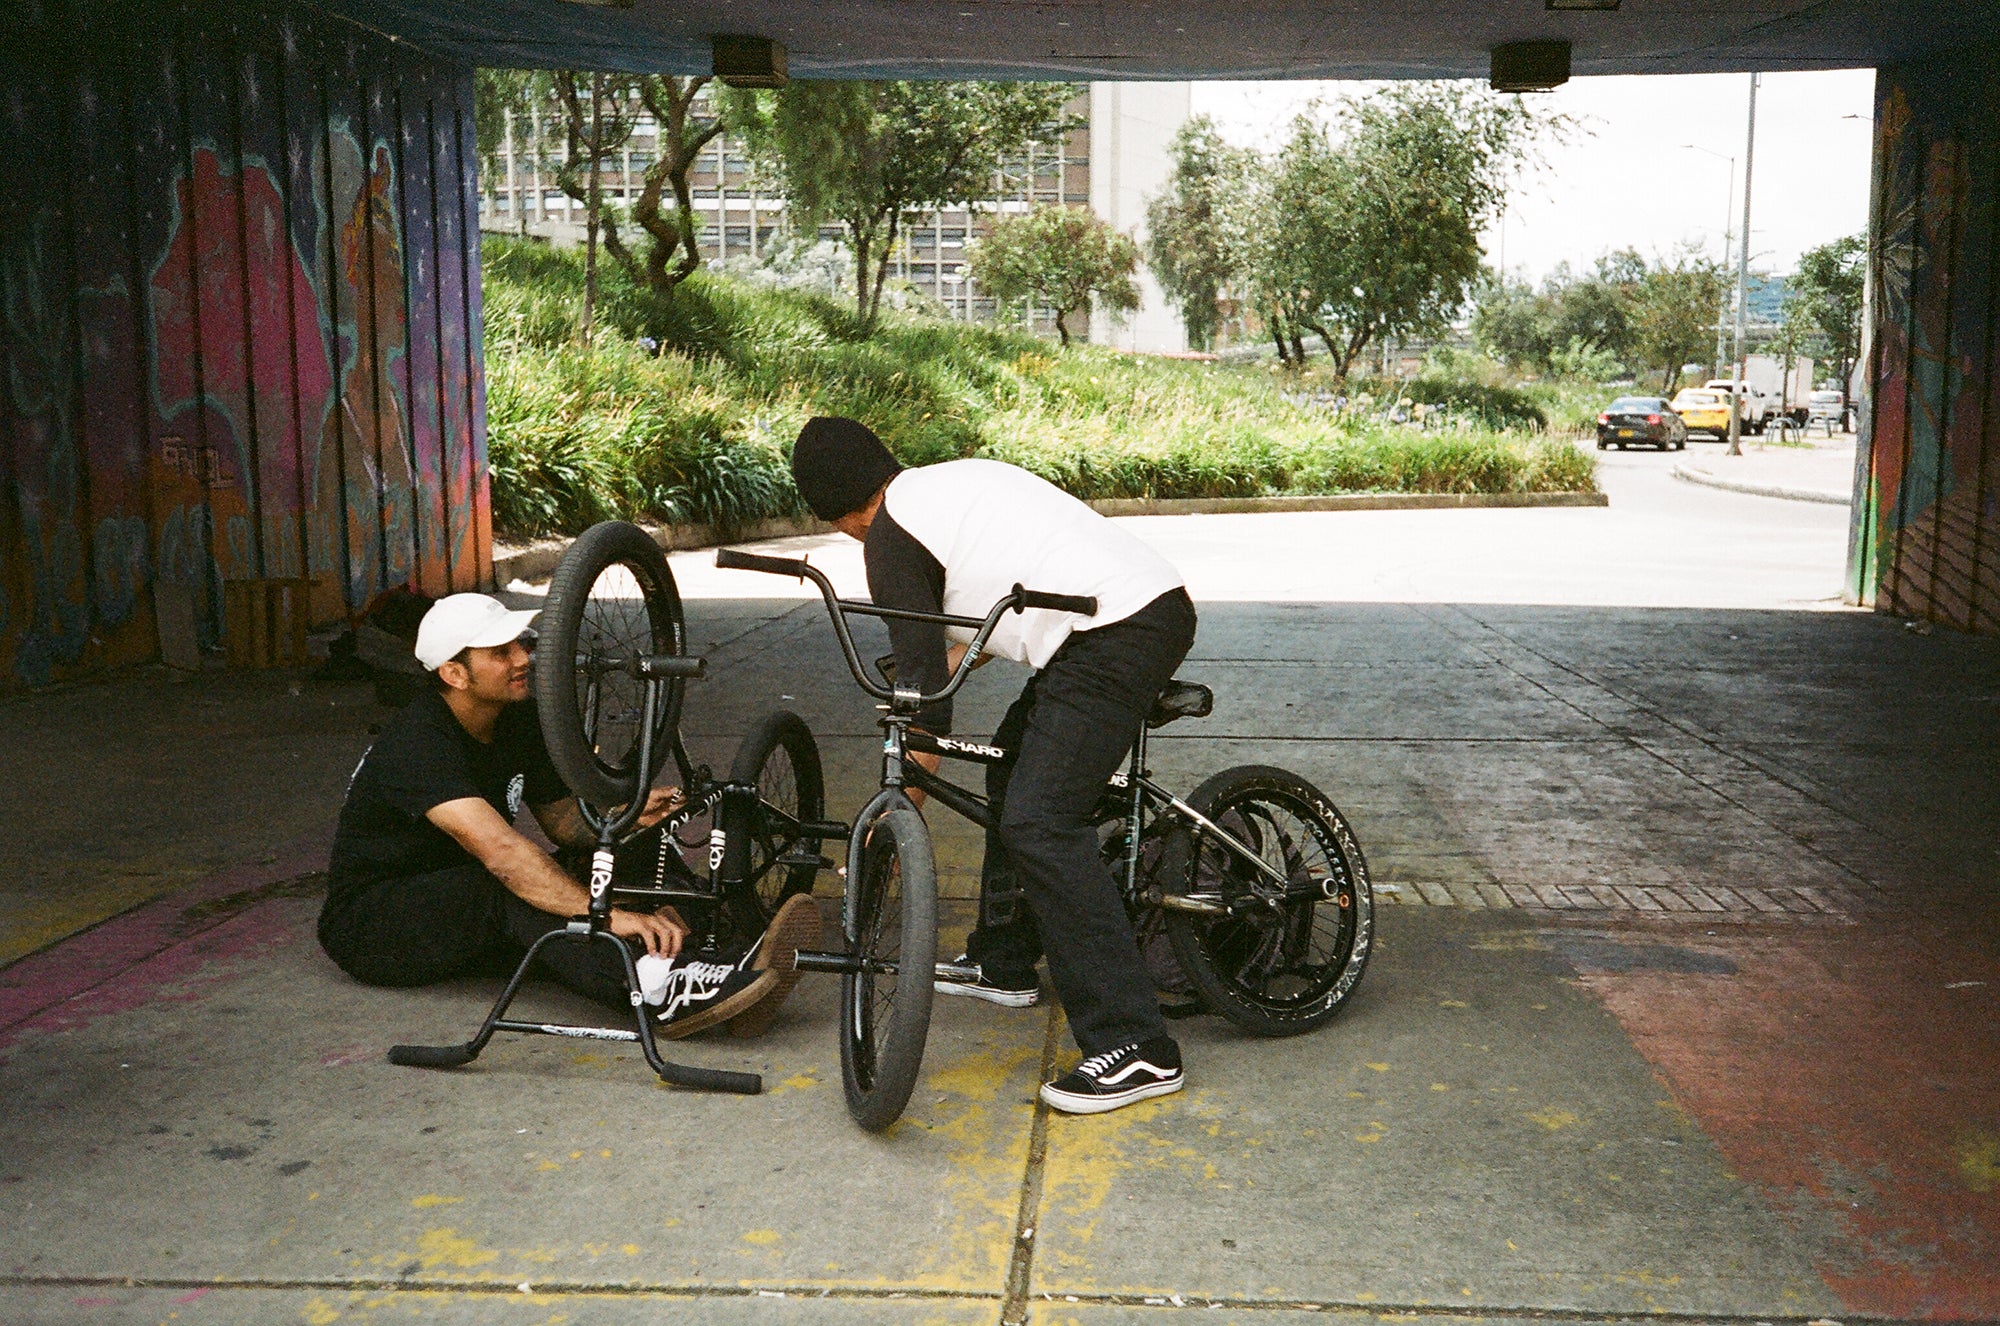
column 990, row 526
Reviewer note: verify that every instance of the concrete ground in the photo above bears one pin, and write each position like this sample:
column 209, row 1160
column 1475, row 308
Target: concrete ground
column 1684, row 1001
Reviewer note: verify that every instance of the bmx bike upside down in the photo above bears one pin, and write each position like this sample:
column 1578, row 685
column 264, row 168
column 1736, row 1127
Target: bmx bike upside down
column 1254, row 880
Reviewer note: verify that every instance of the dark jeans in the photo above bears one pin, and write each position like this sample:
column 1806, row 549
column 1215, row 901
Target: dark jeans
column 1074, row 722
column 464, row 922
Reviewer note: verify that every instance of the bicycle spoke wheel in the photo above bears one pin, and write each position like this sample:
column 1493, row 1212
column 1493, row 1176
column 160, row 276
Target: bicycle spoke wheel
column 612, row 597
column 1275, row 959
column 782, row 759
column 886, row 1009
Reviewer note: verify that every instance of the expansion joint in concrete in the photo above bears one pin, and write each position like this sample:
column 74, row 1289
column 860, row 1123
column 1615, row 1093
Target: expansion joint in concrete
column 1376, row 1310
column 1021, row 1262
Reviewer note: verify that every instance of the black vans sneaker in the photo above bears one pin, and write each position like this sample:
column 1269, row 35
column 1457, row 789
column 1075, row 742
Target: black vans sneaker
column 692, row 994
column 1008, row 991
column 1118, row 1077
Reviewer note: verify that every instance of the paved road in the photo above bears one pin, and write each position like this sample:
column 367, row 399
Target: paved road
column 1684, row 1002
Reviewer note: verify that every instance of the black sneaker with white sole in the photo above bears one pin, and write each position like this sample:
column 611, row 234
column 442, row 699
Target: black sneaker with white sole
column 1006, row 990
column 690, row 994
column 1118, row 1077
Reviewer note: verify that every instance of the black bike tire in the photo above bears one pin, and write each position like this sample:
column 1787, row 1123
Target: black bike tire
column 879, row 1077
column 602, row 546
column 1189, row 931
column 783, row 729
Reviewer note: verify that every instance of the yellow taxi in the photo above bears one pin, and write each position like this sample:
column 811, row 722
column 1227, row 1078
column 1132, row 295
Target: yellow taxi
column 1703, row 411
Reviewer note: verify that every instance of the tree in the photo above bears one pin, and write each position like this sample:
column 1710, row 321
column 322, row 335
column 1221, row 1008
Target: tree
column 1829, row 286
column 1377, row 233
column 502, row 98
column 594, row 131
column 1674, row 311
column 1593, row 309
column 864, row 153
column 1061, row 257
column 1194, row 240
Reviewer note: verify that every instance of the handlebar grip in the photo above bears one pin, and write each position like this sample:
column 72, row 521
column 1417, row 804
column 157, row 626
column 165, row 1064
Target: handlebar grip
column 1083, row 605
column 733, row 559
column 668, row 666
column 431, row 1056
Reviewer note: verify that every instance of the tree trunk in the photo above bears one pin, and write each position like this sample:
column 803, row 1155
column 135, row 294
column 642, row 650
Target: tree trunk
column 862, row 247
column 882, row 267
column 1277, row 331
column 593, row 206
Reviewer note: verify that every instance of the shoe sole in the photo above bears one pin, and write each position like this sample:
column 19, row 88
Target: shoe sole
column 1004, row 998
column 720, row 1011
column 1069, row 1104
column 796, row 926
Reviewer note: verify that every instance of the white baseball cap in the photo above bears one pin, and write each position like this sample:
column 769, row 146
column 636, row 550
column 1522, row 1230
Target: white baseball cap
column 468, row 621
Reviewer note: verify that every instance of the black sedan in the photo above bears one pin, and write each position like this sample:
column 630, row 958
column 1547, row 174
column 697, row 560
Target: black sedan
column 1640, row 421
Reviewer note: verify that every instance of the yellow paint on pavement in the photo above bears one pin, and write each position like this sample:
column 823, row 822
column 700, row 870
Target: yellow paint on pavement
column 442, row 1248
column 1551, row 1118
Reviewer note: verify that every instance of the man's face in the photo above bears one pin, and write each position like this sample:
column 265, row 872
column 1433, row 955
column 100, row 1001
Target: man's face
column 497, row 674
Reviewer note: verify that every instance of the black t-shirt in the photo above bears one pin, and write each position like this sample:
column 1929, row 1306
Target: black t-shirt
column 424, row 758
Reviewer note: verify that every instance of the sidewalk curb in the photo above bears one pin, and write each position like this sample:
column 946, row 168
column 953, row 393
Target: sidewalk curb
column 1708, row 480
column 539, row 559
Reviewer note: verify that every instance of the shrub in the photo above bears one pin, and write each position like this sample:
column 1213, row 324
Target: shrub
column 685, row 408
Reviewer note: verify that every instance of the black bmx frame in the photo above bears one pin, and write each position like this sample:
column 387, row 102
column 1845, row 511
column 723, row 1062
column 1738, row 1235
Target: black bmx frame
column 902, row 704
column 594, row 927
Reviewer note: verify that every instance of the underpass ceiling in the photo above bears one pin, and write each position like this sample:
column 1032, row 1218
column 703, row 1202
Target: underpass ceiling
column 1189, row 39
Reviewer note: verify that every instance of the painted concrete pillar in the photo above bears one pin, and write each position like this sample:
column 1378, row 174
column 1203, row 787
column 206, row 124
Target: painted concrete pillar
column 1132, row 125
column 1926, row 535
column 239, row 273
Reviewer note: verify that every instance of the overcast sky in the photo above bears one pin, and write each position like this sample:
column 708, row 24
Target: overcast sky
column 1628, row 182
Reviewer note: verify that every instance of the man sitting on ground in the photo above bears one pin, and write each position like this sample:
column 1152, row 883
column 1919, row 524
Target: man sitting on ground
column 954, row 538
column 430, row 879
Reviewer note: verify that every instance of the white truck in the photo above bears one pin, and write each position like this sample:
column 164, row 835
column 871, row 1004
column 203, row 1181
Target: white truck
column 1770, row 391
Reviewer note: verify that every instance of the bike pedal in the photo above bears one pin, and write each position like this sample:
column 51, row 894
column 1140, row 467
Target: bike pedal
column 805, row 859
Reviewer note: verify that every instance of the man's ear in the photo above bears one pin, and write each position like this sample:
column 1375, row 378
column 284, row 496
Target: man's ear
column 454, row 674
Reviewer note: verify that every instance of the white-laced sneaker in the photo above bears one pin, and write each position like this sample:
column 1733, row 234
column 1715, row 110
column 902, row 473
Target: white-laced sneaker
column 1118, row 1077
column 1012, row 993
column 690, row 994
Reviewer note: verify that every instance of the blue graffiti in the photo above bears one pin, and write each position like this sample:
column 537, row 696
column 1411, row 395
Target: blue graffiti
column 119, row 554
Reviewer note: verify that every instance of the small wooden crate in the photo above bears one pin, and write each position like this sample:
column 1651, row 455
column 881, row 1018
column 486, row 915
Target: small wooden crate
column 264, row 622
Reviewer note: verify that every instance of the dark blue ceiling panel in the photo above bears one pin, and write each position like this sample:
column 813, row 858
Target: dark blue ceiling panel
column 1190, row 39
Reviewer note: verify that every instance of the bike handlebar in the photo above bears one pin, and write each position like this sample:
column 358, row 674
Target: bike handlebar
column 732, row 559
column 904, row 701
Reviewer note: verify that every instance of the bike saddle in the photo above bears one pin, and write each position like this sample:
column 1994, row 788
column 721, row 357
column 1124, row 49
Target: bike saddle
column 1181, row 699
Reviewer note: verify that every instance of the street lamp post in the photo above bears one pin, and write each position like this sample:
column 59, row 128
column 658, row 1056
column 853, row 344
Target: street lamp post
column 1743, row 273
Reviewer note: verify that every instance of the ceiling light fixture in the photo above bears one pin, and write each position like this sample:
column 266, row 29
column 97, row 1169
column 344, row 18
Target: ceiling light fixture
column 749, row 61
column 1530, row 66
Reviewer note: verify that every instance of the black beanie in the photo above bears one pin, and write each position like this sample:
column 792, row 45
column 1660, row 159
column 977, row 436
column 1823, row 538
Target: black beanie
column 838, row 464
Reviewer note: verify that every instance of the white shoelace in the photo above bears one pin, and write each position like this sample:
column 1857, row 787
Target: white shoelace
column 685, row 984
column 1097, row 1063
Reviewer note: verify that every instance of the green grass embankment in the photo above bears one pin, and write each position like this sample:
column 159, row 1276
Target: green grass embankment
column 684, row 409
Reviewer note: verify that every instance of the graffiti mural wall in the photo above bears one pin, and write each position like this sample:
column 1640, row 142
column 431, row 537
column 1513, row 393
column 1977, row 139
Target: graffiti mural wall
column 238, row 323
column 1926, row 539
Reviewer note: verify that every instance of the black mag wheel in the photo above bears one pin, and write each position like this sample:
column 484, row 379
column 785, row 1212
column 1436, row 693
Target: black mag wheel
column 1276, row 960
column 885, row 1011
column 782, row 759
column 612, row 596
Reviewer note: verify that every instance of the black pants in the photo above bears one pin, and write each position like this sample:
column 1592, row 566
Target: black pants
column 1071, row 726
column 464, row 922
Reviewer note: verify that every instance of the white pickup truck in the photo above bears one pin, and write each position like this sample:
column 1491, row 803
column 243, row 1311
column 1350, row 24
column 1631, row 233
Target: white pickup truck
column 1769, row 391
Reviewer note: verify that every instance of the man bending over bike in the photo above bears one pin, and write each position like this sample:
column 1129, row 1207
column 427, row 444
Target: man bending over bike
column 954, row 538
column 430, row 879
